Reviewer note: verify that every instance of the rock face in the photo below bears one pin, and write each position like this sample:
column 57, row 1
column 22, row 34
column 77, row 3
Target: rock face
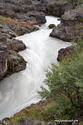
column 10, row 60
column 71, row 26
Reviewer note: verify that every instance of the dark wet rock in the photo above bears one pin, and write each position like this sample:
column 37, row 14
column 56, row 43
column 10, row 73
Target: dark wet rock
column 15, row 63
column 71, row 26
column 15, row 45
column 10, row 61
column 62, row 53
column 51, row 26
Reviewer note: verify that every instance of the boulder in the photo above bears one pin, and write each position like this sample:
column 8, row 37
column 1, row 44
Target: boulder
column 39, row 17
column 62, row 53
column 15, row 45
column 15, row 63
column 51, row 26
column 71, row 26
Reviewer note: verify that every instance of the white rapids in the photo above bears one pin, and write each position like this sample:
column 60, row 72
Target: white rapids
column 20, row 89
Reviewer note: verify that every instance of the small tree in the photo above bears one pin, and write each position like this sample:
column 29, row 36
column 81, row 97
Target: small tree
column 65, row 84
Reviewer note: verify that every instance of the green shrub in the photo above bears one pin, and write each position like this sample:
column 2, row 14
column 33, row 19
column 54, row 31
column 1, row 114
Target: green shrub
column 65, row 84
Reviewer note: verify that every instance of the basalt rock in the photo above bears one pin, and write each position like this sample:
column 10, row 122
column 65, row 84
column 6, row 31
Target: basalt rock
column 39, row 17
column 15, row 63
column 51, row 26
column 58, row 7
column 10, row 60
column 71, row 26
column 62, row 53
column 22, row 10
column 15, row 45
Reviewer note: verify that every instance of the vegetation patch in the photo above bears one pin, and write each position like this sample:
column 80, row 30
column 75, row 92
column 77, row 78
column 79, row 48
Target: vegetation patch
column 37, row 111
column 65, row 84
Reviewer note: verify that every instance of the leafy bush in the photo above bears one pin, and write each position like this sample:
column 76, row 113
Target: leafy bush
column 65, row 84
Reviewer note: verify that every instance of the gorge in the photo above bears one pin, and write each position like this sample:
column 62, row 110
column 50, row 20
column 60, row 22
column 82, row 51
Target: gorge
column 20, row 89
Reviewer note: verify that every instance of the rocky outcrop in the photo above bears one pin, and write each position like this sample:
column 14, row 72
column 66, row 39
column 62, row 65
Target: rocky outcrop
column 58, row 7
column 10, row 60
column 15, row 63
column 33, row 10
column 39, row 17
column 63, row 53
column 13, row 27
column 71, row 26
column 21, row 10
column 15, row 45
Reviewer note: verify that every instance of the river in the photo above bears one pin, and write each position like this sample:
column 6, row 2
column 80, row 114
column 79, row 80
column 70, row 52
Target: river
column 20, row 89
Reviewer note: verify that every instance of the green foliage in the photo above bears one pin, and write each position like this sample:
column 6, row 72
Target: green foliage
column 65, row 84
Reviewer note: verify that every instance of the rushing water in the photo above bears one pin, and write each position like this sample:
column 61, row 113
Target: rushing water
column 20, row 89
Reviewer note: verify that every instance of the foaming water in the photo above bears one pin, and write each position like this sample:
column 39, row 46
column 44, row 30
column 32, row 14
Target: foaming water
column 20, row 89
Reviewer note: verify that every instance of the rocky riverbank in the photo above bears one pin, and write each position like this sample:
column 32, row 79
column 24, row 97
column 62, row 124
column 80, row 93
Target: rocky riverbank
column 15, row 21
column 18, row 18
column 38, row 114
column 71, row 26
